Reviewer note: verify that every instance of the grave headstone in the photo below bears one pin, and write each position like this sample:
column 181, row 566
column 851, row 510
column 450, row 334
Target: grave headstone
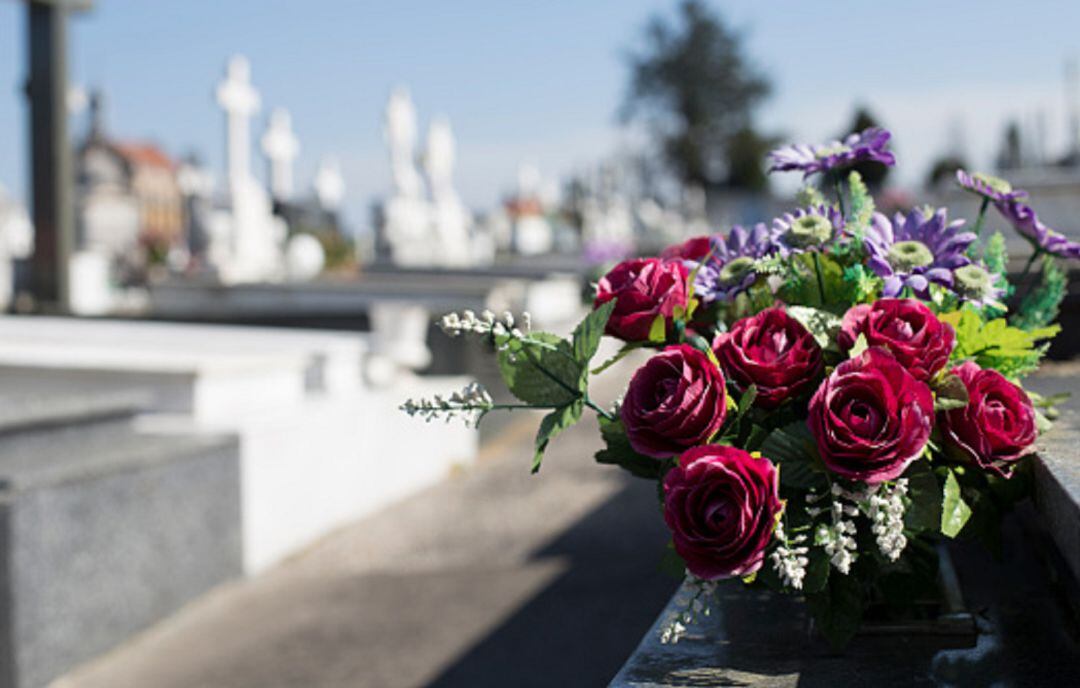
column 452, row 221
column 103, row 530
column 255, row 237
column 281, row 148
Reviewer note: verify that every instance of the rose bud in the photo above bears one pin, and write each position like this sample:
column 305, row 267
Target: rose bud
column 694, row 248
column 997, row 427
column 871, row 418
column 645, row 288
column 721, row 505
column 907, row 328
column 675, row 401
column 772, row 351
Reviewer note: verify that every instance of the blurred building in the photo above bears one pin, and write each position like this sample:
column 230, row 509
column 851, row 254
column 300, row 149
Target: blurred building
column 129, row 200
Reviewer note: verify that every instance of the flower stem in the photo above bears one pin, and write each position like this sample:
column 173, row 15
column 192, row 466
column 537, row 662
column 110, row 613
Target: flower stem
column 982, row 216
column 1027, row 266
column 511, row 407
column 1027, row 269
column 838, row 188
column 591, row 404
column 820, row 281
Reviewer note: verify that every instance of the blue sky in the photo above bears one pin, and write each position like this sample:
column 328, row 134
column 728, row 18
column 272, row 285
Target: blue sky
column 540, row 82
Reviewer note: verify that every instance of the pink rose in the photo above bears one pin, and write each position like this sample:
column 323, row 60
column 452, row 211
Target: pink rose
column 871, row 418
column 645, row 288
column 675, row 401
column 773, row 351
column 721, row 505
column 997, row 427
column 907, row 328
column 695, row 248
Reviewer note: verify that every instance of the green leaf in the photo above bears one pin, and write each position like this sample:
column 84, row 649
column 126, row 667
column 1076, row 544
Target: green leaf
column 805, row 287
column 996, row 255
column 618, row 452
column 862, row 285
column 817, row 571
column 552, row 424
column 995, row 344
column 541, row 370
column 954, row 510
column 862, row 207
column 620, row 355
column 746, row 401
column 793, row 448
column 950, row 392
column 859, row 347
column 658, row 330
column 672, row 564
column 810, row 195
column 924, row 491
column 985, row 522
column 1041, row 306
column 838, row 609
column 587, row 335
column 757, row 435
column 823, row 325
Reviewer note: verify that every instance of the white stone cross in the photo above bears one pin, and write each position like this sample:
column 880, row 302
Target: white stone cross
column 240, row 101
column 281, row 147
column 329, row 184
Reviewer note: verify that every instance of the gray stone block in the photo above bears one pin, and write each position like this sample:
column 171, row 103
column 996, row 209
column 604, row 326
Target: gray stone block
column 104, row 531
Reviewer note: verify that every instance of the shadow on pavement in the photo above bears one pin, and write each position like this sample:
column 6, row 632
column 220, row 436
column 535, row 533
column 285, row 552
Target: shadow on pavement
column 580, row 629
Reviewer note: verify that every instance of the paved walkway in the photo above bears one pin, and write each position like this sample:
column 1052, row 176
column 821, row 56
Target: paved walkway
column 493, row 578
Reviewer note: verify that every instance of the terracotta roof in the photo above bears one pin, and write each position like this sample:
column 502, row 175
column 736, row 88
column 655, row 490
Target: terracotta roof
column 519, row 207
column 144, row 154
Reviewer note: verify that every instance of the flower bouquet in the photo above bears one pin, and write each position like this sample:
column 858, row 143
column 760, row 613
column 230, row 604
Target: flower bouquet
column 828, row 396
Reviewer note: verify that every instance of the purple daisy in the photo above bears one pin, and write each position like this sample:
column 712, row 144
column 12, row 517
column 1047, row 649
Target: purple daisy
column 974, row 284
column 1043, row 238
column 730, row 266
column 915, row 250
column 867, row 145
column 988, row 186
column 807, row 228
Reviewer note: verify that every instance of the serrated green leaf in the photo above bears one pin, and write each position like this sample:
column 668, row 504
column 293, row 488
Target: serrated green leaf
column 995, row 344
column 862, row 210
column 924, row 491
column 587, row 335
column 823, row 325
column 541, row 370
column 757, row 435
column 747, row 400
column 954, row 510
column 618, row 452
column 552, row 424
column 1041, row 306
column 863, row 286
column 817, row 571
column 658, row 330
column 793, row 448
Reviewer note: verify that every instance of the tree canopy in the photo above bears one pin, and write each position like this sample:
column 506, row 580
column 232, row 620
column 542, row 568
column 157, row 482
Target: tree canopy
column 694, row 88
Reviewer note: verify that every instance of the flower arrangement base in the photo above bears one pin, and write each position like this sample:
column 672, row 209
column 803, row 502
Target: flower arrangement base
column 943, row 621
